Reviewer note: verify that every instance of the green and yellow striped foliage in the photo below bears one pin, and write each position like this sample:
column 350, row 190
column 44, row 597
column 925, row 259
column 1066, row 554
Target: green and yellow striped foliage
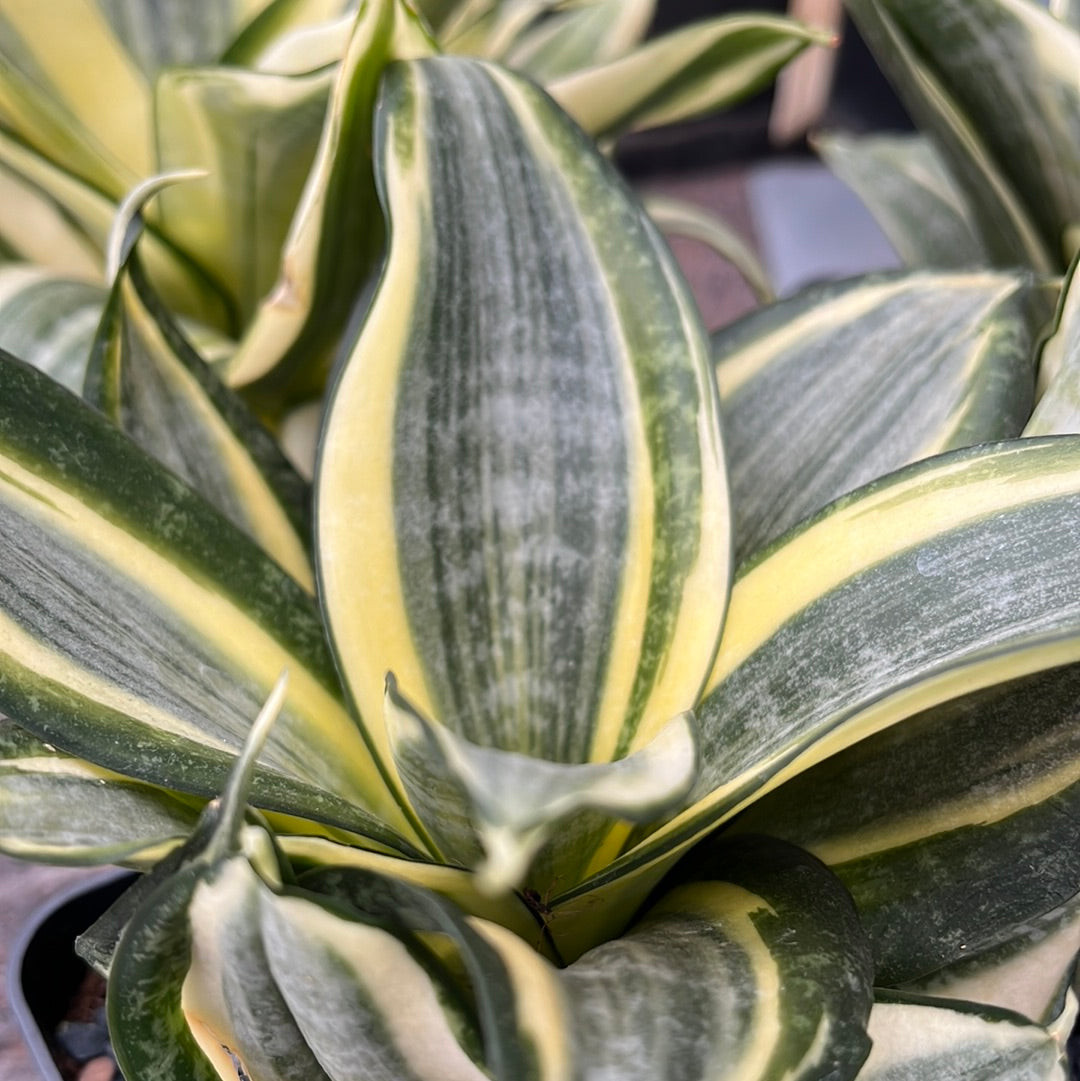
column 993, row 178
column 614, row 703
column 273, row 100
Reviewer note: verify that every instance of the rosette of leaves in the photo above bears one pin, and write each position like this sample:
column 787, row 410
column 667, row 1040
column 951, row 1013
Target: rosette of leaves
column 548, row 792
column 272, row 98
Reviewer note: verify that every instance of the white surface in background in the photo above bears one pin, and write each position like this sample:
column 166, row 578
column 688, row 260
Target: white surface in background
column 810, row 226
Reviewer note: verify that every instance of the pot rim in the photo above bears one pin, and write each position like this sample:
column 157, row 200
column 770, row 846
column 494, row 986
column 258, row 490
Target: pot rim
column 25, row 1020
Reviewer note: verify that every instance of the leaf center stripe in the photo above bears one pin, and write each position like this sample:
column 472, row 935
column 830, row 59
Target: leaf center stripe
column 521, row 546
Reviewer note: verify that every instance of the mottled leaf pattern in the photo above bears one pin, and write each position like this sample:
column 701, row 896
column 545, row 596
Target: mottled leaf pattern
column 200, row 622
column 848, row 381
column 523, row 520
column 146, row 376
column 946, row 862
column 570, row 461
column 1011, row 137
column 940, row 580
column 1029, row 968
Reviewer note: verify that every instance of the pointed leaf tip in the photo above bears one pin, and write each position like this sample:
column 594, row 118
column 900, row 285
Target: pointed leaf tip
column 127, row 224
column 497, row 810
column 234, row 799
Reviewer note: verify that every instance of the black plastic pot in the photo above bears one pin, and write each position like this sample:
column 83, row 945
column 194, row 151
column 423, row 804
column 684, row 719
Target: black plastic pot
column 44, row 972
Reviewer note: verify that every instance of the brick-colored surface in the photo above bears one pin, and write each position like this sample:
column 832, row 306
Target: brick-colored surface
column 721, row 295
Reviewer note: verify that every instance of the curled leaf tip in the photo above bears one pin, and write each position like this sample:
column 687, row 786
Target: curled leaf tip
column 495, row 810
column 127, row 224
column 234, row 800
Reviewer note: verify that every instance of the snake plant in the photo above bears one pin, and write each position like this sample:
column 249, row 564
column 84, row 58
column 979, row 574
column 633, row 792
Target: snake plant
column 484, row 757
column 273, row 100
column 994, row 176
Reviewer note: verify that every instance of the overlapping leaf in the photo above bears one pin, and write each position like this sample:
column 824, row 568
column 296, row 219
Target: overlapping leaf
column 35, row 229
column 1029, row 969
column 938, row 581
column 677, row 217
column 255, row 135
column 849, row 381
column 521, row 500
column 946, row 860
column 71, row 212
column 147, row 378
column 145, row 940
column 52, row 217
column 49, row 321
column 96, row 129
column 157, row 38
column 59, row 809
column 1058, row 408
column 328, row 861
column 282, row 29
column 730, row 949
column 579, row 38
column 193, row 993
column 909, row 190
column 1011, row 135
column 522, row 448
column 336, row 232
column 692, row 71
column 496, row 810
column 144, row 995
column 957, row 572
column 142, row 629
column 294, row 990
column 99, row 128
column 930, row 1039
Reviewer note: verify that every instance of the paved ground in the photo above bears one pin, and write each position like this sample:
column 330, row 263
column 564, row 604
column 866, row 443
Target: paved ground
column 722, row 295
